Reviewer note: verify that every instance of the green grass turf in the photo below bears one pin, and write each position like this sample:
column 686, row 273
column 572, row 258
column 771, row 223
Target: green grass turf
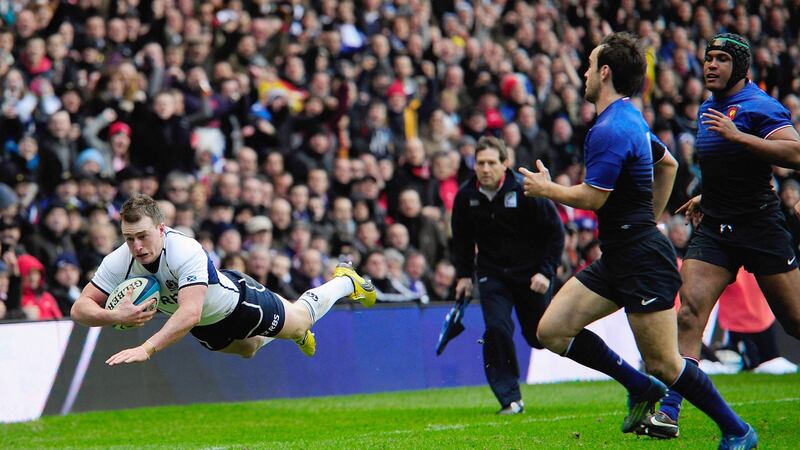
column 569, row 415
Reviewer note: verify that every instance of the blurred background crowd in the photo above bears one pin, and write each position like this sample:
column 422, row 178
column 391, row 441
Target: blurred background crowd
column 287, row 135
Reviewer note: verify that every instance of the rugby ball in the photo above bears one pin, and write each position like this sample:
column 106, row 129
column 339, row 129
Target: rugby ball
column 145, row 288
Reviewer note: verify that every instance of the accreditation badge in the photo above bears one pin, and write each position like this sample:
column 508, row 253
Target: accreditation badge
column 510, row 200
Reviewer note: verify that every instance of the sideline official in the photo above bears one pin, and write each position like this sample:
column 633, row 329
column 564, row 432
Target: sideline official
column 519, row 243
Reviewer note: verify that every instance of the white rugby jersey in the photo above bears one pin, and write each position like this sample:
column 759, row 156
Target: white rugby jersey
column 183, row 263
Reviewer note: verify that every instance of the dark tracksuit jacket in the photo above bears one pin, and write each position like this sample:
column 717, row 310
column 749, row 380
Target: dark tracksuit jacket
column 517, row 237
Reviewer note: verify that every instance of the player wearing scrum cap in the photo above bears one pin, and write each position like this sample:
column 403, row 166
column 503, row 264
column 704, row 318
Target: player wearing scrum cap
column 741, row 133
column 638, row 268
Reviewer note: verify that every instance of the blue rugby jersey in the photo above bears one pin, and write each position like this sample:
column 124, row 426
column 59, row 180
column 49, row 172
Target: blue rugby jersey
column 735, row 181
column 619, row 158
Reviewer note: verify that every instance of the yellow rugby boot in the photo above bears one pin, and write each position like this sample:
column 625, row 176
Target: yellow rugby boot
column 364, row 292
column 307, row 344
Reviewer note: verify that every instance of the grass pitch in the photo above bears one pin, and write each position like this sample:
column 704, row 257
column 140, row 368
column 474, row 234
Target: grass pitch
column 569, row 415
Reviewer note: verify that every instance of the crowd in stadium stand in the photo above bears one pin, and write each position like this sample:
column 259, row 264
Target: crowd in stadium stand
column 287, row 135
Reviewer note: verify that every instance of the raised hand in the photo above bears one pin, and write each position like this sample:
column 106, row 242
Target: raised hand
column 720, row 123
column 691, row 210
column 536, row 182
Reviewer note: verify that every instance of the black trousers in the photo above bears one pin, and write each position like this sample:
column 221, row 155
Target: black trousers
column 498, row 298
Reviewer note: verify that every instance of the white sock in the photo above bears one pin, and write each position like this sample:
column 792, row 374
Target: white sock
column 322, row 298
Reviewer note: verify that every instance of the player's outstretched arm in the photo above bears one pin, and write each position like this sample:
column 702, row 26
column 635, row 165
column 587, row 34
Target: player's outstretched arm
column 781, row 147
column 581, row 196
column 89, row 310
column 664, row 173
column 186, row 317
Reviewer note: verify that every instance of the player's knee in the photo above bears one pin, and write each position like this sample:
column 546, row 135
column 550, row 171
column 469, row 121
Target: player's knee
column 549, row 337
column 689, row 317
column 665, row 369
column 532, row 339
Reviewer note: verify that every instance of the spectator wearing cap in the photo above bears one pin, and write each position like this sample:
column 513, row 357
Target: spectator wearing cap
column 9, row 203
column 37, row 303
column 115, row 150
column 258, row 232
column 64, row 285
column 90, row 162
column 52, row 237
column 21, row 161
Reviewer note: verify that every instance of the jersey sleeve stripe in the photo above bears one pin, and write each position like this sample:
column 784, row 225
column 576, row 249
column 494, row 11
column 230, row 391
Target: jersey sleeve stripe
column 101, row 289
column 599, row 187
column 199, row 283
column 777, row 129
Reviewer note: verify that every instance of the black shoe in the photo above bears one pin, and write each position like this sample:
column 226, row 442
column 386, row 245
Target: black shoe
column 513, row 408
column 659, row 426
column 640, row 406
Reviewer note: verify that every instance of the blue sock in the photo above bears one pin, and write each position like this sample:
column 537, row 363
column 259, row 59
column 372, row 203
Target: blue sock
column 671, row 404
column 588, row 349
column 695, row 385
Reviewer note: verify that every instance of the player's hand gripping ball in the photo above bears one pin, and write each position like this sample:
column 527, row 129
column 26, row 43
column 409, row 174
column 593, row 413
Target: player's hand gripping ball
column 145, row 288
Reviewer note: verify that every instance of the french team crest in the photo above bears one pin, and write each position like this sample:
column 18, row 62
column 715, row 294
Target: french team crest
column 732, row 112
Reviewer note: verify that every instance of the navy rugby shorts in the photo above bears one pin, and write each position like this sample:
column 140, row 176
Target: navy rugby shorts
column 640, row 275
column 259, row 312
column 762, row 244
